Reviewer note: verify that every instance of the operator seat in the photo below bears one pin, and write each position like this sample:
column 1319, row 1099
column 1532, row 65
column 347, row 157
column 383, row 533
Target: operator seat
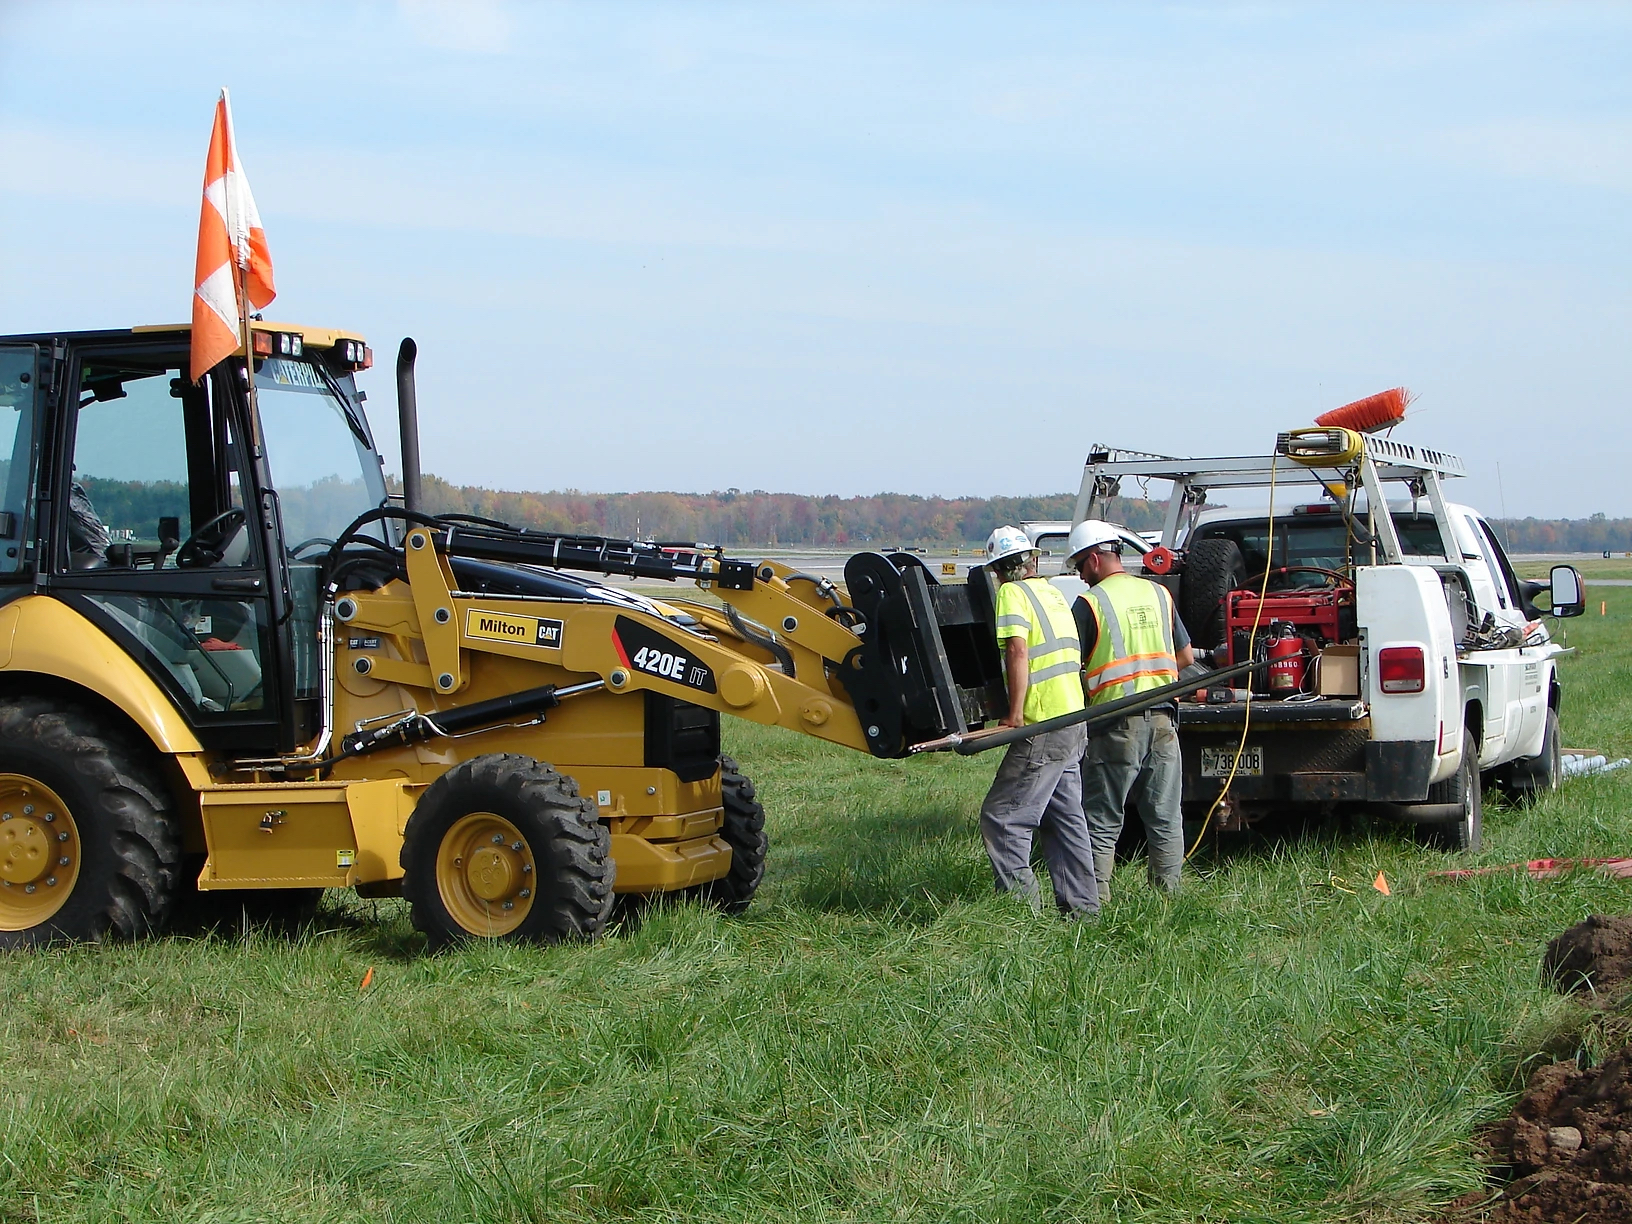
column 88, row 537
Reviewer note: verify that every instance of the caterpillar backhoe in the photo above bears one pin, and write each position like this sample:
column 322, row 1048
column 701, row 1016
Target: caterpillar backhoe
column 232, row 665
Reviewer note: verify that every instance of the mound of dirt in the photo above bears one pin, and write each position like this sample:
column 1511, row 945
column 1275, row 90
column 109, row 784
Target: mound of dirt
column 1594, row 955
column 1569, row 1142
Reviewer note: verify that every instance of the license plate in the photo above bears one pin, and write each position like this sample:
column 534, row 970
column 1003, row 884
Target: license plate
column 1216, row 762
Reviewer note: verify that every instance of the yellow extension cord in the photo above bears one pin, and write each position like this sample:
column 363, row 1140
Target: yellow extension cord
column 1252, row 642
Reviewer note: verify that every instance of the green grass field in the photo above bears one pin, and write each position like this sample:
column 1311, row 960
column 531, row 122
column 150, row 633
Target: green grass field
column 878, row 1039
column 1616, row 567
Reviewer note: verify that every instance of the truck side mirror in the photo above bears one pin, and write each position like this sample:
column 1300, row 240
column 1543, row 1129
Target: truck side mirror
column 1568, row 591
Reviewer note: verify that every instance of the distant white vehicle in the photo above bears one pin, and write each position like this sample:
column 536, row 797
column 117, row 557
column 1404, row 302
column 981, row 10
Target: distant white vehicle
column 1050, row 536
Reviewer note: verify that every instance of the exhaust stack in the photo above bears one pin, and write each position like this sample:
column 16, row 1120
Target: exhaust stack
column 408, row 422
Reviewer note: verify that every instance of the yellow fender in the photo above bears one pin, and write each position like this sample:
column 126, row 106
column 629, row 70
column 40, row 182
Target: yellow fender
column 42, row 635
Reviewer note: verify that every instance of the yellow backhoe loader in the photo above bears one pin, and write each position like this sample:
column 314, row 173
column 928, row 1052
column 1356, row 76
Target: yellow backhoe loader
column 230, row 663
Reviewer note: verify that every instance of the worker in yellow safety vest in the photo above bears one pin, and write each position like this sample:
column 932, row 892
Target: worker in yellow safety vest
column 1133, row 641
column 1039, row 783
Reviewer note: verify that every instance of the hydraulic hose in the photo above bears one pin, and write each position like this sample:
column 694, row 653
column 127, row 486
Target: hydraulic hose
column 981, row 741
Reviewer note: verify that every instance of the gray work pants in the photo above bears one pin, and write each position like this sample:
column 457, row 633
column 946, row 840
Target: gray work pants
column 1039, row 786
column 1136, row 756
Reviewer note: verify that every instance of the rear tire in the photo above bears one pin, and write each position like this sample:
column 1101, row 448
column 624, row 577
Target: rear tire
column 74, row 787
column 1531, row 777
column 1212, row 569
column 744, row 832
column 502, row 847
column 1465, row 832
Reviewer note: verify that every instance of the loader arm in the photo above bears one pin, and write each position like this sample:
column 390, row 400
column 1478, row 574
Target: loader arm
column 904, row 663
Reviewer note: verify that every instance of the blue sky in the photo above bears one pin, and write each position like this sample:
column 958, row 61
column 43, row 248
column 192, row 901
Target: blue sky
column 854, row 248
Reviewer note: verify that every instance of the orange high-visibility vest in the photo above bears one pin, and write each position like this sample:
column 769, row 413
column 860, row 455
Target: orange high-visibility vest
column 1134, row 650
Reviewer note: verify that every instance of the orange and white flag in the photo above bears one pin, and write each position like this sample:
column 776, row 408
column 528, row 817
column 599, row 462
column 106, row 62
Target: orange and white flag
column 233, row 260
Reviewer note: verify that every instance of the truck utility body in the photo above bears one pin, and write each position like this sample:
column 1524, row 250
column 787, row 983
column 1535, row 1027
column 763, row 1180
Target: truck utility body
column 1404, row 658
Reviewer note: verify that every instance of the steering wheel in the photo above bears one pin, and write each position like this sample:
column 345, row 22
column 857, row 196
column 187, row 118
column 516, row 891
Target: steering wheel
column 325, row 541
column 210, row 539
column 1338, row 580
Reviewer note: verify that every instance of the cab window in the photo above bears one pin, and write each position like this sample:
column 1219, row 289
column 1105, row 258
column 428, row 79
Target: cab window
column 155, row 481
column 155, row 512
column 1503, row 569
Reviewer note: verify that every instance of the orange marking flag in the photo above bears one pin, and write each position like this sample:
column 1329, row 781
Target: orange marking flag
column 233, row 260
column 1381, row 884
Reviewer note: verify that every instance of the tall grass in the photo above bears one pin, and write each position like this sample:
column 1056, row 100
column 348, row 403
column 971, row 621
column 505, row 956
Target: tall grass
column 880, row 1038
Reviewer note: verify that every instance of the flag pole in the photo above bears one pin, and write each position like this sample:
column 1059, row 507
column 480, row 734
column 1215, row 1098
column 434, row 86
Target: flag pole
column 241, row 289
column 249, row 365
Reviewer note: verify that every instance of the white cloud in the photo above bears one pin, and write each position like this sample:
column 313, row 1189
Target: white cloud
column 480, row 26
column 1579, row 153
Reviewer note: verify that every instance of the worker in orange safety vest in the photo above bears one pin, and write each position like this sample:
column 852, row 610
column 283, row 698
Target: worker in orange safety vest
column 1132, row 641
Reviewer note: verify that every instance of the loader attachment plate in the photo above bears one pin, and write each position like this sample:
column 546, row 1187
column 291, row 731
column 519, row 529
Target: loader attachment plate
column 928, row 665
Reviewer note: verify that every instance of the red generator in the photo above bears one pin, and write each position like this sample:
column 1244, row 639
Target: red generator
column 1316, row 617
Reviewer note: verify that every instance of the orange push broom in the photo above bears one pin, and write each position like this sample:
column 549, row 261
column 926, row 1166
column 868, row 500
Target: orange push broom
column 1368, row 415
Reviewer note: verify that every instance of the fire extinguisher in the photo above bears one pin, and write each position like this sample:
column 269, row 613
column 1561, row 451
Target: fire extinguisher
column 1285, row 651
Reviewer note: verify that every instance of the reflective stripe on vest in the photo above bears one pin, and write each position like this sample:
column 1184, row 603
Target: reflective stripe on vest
column 1053, row 651
column 1134, row 651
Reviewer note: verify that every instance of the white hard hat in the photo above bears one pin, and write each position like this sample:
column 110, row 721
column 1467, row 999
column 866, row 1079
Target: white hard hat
column 1091, row 533
column 1008, row 542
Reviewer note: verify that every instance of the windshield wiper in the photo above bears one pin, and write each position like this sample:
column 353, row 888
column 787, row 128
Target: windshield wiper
column 353, row 417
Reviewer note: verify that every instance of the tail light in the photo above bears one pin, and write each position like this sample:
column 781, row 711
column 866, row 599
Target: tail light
column 1401, row 669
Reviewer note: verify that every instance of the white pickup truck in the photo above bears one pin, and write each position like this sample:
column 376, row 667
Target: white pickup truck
column 1405, row 663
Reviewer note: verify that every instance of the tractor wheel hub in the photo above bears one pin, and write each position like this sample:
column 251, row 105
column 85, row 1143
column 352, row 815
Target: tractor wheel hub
column 491, row 872
column 27, row 850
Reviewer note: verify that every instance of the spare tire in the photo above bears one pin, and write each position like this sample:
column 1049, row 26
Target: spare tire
column 1212, row 569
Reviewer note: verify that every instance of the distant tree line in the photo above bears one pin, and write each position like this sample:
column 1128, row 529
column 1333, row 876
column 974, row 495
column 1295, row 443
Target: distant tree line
column 883, row 519
column 758, row 517
column 735, row 518
column 1593, row 534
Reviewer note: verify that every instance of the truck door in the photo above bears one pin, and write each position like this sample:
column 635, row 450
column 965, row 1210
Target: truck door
column 1498, row 671
column 148, row 536
column 1525, row 687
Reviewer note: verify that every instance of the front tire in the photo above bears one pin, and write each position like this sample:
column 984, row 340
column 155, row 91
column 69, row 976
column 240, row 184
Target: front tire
column 744, row 832
column 89, row 847
column 1466, row 831
column 502, row 847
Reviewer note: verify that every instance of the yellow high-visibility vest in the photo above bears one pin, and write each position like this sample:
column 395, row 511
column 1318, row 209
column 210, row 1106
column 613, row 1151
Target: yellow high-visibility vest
column 1035, row 609
column 1134, row 650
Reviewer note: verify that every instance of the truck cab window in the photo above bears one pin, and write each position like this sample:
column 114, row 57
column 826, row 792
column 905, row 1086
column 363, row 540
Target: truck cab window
column 1503, row 568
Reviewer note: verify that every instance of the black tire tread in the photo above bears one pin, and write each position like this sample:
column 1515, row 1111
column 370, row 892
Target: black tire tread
column 1532, row 777
column 1455, row 834
column 744, row 831
column 572, row 848
column 132, row 864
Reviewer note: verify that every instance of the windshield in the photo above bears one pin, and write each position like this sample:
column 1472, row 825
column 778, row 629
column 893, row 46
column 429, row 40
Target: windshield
column 323, row 467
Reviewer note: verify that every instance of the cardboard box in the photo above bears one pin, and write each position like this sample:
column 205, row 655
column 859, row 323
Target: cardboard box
column 1339, row 674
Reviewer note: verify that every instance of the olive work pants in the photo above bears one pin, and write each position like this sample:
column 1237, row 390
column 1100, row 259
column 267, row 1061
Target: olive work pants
column 1137, row 756
column 1039, row 787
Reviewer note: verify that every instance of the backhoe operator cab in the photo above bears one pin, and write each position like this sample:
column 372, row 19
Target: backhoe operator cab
column 231, row 664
